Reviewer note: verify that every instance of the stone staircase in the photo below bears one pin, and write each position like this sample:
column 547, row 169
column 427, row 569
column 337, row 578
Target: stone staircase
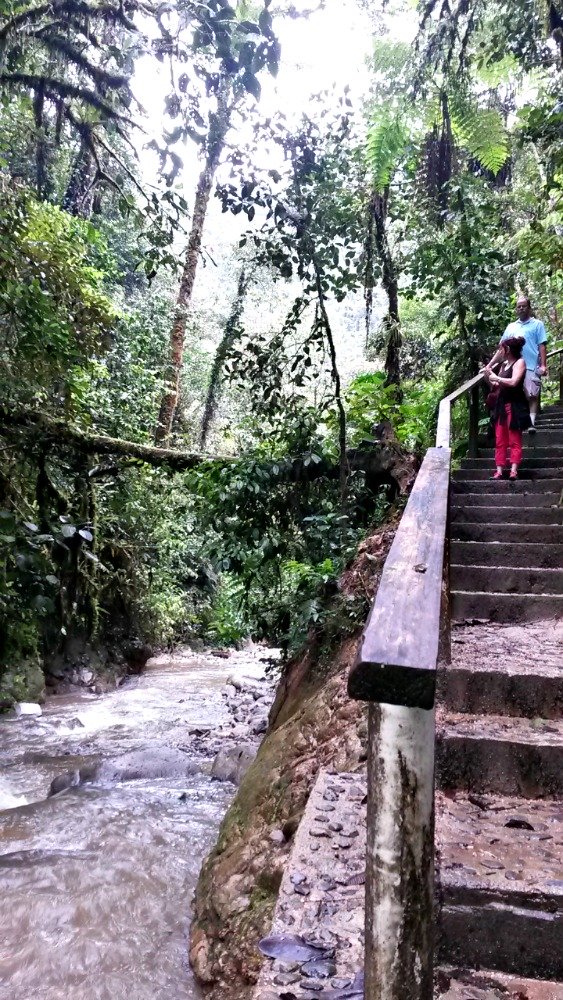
column 507, row 538
column 499, row 766
column 499, row 732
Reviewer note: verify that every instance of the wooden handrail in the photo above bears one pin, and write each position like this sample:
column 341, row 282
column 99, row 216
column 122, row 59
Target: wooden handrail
column 443, row 430
column 396, row 661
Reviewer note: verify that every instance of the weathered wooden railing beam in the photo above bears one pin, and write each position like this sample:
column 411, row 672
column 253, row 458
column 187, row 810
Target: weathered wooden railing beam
column 396, row 661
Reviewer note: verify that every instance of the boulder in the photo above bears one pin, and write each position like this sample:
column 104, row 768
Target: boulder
column 151, row 763
column 232, row 764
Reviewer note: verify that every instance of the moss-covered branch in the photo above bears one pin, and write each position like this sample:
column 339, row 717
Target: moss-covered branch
column 45, row 428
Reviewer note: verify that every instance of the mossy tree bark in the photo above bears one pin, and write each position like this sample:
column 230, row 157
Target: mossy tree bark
column 390, row 283
column 228, row 338
column 220, row 123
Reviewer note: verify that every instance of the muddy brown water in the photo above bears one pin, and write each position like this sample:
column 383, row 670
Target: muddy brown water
column 96, row 883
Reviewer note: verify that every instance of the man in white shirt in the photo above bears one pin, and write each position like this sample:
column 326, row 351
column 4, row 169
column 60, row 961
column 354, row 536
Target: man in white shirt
column 534, row 351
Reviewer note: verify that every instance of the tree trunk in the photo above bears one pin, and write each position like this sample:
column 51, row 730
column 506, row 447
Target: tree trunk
column 343, row 465
column 391, row 285
column 75, row 198
column 217, row 134
column 230, row 332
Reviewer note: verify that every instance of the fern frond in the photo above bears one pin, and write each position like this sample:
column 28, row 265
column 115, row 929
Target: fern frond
column 390, row 56
column 386, row 142
column 482, row 132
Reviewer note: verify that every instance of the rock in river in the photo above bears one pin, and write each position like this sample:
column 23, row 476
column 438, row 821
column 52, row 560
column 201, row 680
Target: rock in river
column 232, row 764
column 152, row 762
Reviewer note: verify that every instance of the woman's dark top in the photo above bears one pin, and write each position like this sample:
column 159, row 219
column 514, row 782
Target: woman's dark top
column 519, row 408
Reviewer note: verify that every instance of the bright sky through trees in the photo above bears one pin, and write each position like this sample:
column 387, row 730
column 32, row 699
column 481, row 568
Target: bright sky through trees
column 328, row 49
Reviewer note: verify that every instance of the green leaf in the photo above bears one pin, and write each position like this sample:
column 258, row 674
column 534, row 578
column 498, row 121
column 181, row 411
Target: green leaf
column 265, row 22
column 251, row 84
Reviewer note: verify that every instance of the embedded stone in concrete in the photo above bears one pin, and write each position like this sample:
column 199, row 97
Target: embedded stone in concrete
column 331, row 913
column 501, row 885
column 485, row 675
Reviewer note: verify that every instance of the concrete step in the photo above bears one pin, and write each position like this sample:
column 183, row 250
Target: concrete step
column 543, row 437
column 505, row 512
column 556, row 474
column 527, row 452
column 494, row 553
column 507, row 532
column 514, row 670
column 485, row 485
column 499, row 755
column 486, row 984
column 528, row 462
column 494, row 606
column 501, row 889
column 512, row 499
column 506, row 580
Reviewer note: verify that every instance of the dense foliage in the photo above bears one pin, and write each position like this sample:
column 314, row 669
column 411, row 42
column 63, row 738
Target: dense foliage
column 375, row 256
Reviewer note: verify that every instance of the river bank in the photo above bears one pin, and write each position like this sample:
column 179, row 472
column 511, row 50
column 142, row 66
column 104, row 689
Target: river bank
column 97, row 881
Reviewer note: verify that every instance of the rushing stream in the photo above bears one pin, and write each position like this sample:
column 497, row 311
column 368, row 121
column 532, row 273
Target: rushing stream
column 96, row 882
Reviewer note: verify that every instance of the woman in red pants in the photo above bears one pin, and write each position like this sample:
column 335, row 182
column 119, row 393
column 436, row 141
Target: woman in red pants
column 512, row 412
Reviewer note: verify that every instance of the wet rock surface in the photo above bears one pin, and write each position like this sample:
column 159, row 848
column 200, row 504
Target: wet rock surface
column 248, row 704
column 316, row 943
column 150, row 762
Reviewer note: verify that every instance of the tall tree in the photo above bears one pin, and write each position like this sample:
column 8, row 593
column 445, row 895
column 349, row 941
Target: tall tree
column 227, row 50
column 74, row 62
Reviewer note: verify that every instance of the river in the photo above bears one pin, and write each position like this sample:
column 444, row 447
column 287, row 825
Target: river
column 96, row 882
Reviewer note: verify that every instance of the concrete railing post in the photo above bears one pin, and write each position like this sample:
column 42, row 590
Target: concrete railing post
column 400, row 854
